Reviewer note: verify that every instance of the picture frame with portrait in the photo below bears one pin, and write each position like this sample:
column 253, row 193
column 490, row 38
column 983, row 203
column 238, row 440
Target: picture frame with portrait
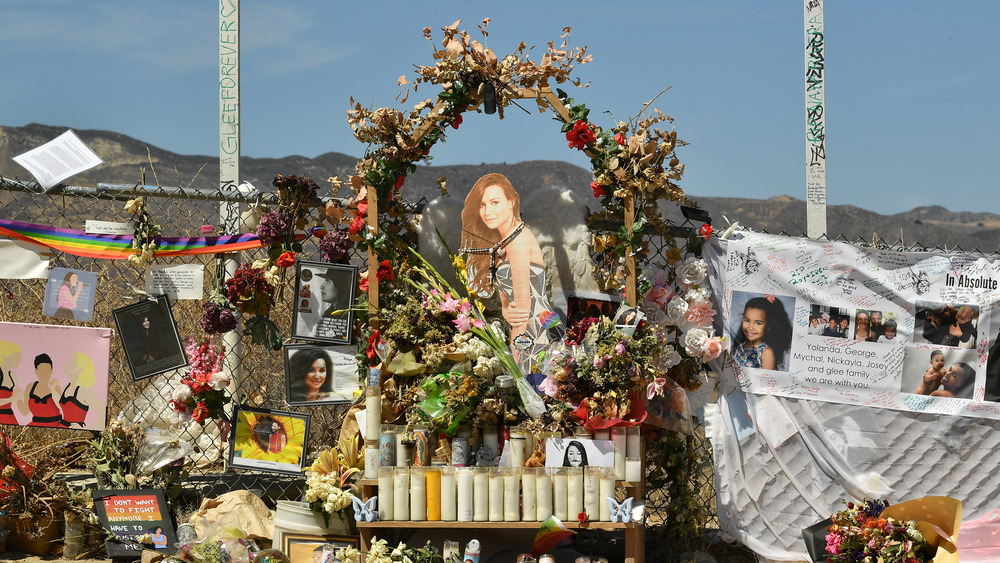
column 324, row 295
column 269, row 440
column 318, row 374
column 575, row 305
column 149, row 336
column 305, row 548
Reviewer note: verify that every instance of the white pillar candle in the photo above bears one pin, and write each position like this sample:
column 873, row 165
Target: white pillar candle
column 528, row 493
column 633, row 443
column 543, row 495
column 607, row 491
column 518, row 444
column 633, row 469
column 559, row 494
column 464, row 476
column 418, row 495
column 511, row 495
column 618, row 438
column 449, row 505
column 385, row 494
column 371, row 459
column 496, row 494
column 488, row 452
column 574, row 492
column 373, row 412
column 591, row 493
column 401, row 493
column 602, row 434
column 481, row 499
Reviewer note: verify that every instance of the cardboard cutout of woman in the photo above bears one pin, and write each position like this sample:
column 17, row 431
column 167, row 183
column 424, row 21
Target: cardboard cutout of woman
column 501, row 253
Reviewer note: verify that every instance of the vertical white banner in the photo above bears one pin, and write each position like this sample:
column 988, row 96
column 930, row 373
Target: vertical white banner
column 815, row 120
column 229, row 96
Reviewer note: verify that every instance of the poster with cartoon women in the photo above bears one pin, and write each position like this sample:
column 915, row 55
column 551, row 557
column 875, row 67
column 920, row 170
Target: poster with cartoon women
column 502, row 254
column 54, row 376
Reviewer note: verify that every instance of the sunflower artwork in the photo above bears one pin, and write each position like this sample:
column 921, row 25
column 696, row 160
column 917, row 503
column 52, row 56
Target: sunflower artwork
column 269, row 440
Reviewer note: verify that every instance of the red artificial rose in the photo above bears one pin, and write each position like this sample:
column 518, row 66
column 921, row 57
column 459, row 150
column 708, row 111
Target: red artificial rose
column 620, row 139
column 286, row 259
column 362, row 208
column 580, row 135
column 370, row 352
column 200, row 412
column 705, row 231
column 599, row 190
column 581, row 517
column 457, row 122
column 363, row 284
column 356, row 225
column 399, row 184
column 385, row 272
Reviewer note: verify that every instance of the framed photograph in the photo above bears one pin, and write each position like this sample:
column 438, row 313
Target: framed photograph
column 579, row 452
column 269, row 440
column 69, row 294
column 318, row 374
column 303, row 548
column 324, row 295
column 574, row 305
column 149, row 336
column 61, row 372
column 627, row 319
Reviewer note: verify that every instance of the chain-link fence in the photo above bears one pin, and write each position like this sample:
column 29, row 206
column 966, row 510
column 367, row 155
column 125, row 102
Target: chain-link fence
column 261, row 374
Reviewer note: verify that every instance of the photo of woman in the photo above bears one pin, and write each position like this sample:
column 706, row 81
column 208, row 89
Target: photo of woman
column 576, row 455
column 320, row 374
column 501, row 253
column 310, row 373
column 69, row 293
column 40, row 401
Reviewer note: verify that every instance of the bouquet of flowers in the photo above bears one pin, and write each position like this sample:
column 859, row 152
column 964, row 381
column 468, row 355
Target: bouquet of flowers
column 861, row 533
column 380, row 552
column 332, row 479
column 201, row 394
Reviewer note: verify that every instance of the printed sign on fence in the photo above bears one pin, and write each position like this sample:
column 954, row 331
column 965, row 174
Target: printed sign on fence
column 835, row 322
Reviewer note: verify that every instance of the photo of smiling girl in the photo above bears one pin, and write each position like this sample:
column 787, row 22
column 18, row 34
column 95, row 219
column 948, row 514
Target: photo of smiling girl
column 763, row 333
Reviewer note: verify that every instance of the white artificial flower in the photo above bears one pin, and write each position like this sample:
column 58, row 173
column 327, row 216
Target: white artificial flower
column 694, row 341
column 677, row 311
column 181, row 394
column 691, row 273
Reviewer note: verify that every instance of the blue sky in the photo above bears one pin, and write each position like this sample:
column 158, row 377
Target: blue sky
column 908, row 84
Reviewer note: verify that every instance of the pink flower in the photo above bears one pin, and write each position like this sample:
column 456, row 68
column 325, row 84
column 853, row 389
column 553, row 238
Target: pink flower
column 463, row 322
column 833, row 543
column 549, row 387
column 619, row 348
column 700, row 314
column 599, row 361
column 449, row 305
column 712, row 348
column 465, row 307
column 655, row 388
column 660, row 293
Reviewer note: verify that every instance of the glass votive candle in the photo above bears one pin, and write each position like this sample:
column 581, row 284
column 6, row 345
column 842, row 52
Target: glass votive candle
column 607, row 491
column 371, row 459
column 465, row 480
column 619, row 441
column 512, row 494
column 496, row 493
column 385, row 493
column 559, row 501
column 633, row 442
column 432, row 482
column 481, row 494
column 387, row 446
column 401, row 493
column 418, row 494
column 449, row 492
column 528, row 478
column 633, row 470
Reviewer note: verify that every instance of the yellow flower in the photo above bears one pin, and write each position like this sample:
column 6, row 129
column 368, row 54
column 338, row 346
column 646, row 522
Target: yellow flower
column 133, row 206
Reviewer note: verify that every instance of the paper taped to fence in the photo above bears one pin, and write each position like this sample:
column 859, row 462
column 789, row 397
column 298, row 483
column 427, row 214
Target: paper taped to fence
column 836, row 322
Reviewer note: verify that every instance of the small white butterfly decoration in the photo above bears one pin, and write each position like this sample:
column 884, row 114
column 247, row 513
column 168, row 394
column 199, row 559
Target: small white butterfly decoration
column 365, row 511
column 621, row 512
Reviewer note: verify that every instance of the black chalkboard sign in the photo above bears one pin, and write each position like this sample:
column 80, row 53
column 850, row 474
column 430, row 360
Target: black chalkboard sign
column 129, row 514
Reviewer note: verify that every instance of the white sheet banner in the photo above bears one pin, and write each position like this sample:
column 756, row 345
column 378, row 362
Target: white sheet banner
column 836, row 322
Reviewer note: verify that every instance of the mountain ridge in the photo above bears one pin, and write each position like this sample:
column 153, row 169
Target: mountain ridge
column 124, row 156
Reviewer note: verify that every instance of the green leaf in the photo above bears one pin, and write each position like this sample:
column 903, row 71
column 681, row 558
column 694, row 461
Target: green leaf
column 296, row 246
